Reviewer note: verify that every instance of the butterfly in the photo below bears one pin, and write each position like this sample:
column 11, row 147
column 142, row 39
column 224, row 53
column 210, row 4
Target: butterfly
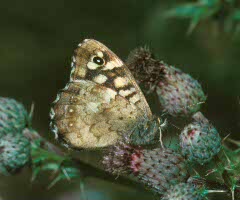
column 101, row 101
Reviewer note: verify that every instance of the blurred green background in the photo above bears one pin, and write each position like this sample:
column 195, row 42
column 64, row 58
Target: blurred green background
column 37, row 39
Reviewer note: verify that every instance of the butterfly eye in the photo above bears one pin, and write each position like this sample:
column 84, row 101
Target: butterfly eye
column 97, row 60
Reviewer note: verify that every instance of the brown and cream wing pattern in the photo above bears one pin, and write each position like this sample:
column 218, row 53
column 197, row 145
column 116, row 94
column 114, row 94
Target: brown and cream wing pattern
column 101, row 101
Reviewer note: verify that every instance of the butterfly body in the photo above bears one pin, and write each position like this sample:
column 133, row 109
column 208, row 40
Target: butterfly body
column 101, row 102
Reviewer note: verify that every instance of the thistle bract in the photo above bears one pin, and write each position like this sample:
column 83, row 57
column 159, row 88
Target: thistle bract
column 14, row 153
column 184, row 191
column 199, row 140
column 158, row 168
column 178, row 92
column 13, row 116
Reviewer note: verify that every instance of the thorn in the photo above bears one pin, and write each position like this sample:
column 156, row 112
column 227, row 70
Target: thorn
column 31, row 111
column 215, row 191
column 66, row 174
column 234, row 142
column 211, row 172
column 53, row 182
column 226, row 137
column 196, row 172
column 191, row 105
column 229, row 161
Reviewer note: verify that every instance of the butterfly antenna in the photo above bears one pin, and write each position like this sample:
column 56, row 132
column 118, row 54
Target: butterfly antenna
column 160, row 131
column 175, row 126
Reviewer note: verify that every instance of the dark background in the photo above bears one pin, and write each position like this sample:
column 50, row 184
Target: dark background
column 37, row 39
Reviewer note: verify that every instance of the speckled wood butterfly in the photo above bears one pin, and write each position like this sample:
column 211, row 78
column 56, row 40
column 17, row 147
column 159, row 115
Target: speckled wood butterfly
column 101, row 102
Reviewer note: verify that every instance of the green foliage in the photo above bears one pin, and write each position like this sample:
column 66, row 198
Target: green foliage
column 232, row 164
column 60, row 167
column 225, row 12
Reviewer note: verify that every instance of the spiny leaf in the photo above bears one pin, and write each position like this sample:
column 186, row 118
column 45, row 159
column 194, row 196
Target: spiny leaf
column 65, row 173
column 61, row 167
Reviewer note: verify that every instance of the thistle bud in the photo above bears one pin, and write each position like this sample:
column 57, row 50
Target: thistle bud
column 184, row 191
column 178, row 92
column 199, row 140
column 143, row 66
column 158, row 168
column 14, row 153
column 13, row 116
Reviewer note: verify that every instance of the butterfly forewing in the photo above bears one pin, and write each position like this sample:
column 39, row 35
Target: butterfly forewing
column 101, row 102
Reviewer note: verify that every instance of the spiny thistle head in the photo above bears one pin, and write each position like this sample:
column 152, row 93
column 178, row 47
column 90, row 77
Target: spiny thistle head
column 178, row 92
column 143, row 66
column 184, row 191
column 14, row 153
column 158, row 168
column 199, row 140
column 13, row 116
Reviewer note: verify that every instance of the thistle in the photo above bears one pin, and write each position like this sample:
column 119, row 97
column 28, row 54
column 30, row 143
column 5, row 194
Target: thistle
column 13, row 116
column 178, row 92
column 158, row 168
column 184, row 191
column 14, row 153
column 146, row 132
column 199, row 140
column 143, row 66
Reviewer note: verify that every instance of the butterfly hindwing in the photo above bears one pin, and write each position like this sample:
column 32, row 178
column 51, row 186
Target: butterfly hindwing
column 101, row 101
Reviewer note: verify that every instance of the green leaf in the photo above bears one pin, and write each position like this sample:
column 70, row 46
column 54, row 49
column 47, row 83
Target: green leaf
column 196, row 11
column 210, row 2
column 236, row 15
column 184, row 11
column 62, row 167
column 36, row 171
